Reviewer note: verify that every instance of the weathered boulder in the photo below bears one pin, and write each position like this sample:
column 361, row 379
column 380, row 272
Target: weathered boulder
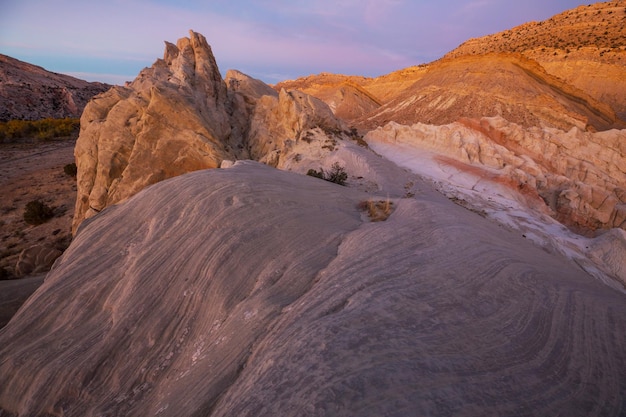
column 36, row 259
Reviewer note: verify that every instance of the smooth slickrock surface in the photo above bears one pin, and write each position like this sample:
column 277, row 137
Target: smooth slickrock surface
column 250, row 291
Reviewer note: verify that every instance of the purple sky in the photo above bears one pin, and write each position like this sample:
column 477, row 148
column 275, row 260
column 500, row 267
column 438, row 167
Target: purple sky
column 274, row 40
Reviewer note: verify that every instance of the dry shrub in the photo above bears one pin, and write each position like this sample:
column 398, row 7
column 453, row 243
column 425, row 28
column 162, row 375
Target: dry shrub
column 337, row 174
column 377, row 211
column 37, row 212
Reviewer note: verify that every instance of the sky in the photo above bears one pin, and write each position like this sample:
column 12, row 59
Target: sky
column 272, row 40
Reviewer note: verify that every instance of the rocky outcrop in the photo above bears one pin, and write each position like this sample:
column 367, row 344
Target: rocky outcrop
column 170, row 120
column 179, row 116
column 36, row 260
column 29, row 92
column 251, row 291
column 290, row 115
column 580, row 176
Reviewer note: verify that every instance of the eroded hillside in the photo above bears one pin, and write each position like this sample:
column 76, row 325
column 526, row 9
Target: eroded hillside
column 29, row 92
column 506, row 85
column 585, row 46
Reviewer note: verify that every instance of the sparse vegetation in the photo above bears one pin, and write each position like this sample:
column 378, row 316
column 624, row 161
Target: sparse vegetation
column 377, row 211
column 337, row 174
column 44, row 129
column 317, row 174
column 37, row 212
column 71, row 169
column 307, row 137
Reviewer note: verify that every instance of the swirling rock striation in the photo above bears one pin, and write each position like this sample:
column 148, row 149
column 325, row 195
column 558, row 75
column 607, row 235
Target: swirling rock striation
column 251, row 291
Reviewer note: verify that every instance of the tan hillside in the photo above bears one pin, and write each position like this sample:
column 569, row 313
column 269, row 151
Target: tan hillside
column 585, row 46
column 389, row 86
column 380, row 89
column 344, row 94
column 506, row 85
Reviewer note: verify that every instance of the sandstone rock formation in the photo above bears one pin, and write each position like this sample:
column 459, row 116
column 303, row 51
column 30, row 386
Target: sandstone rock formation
column 580, row 176
column 29, row 92
column 290, row 115
column 251, row 291
column 583, row 46
column 179, row 116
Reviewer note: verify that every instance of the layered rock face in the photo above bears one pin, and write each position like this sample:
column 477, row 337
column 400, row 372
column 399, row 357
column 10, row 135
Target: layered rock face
column 29, row 92
column 505, row 85
column 179, row 116
column 583, row 46
column 251, row 291
column 580, row 176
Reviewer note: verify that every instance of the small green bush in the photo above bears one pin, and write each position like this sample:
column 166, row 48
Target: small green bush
column 71, row 169
column 317, row 174
column 337, row 174
column 37, row 212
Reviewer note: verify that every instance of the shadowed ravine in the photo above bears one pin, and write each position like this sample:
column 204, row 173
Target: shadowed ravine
column 251, row 291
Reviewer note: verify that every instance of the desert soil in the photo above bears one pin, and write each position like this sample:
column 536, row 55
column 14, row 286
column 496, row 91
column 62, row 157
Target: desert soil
column 34, row 171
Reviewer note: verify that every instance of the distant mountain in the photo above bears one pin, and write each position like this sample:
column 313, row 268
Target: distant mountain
column 29, row 92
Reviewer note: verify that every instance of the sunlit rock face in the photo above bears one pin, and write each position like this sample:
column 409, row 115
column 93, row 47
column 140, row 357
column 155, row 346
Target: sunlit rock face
column 290, row 115
column 251, row 291
column 170, row 120
column 579, row 177
column 179, row 116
